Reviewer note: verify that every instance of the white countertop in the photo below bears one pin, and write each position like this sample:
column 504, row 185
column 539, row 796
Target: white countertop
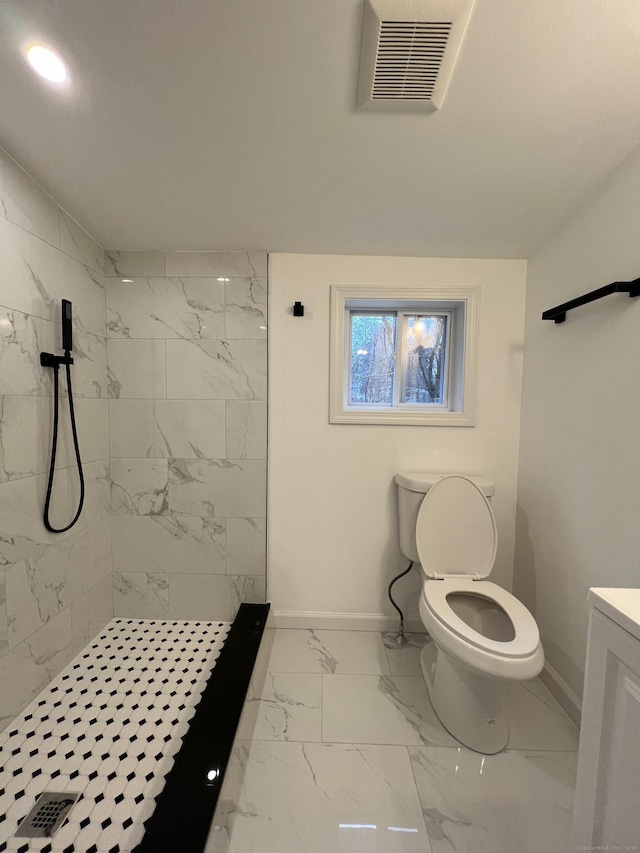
column 621, row 605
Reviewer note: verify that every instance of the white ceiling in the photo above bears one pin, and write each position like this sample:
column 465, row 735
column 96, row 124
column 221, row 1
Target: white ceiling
column 230, row 124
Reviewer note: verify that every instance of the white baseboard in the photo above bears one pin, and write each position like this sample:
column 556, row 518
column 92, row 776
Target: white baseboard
column 342, row 621
column 562, row 692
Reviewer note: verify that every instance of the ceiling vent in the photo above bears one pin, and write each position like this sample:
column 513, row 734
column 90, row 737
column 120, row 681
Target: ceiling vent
column 409, row 50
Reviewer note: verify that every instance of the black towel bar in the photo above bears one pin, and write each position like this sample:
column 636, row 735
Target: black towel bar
column 559, row 313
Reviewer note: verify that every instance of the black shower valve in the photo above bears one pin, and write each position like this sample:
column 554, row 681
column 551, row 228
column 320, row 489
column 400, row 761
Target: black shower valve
column 48, row 359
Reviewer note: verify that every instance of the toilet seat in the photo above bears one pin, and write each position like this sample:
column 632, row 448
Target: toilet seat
column 527, row 636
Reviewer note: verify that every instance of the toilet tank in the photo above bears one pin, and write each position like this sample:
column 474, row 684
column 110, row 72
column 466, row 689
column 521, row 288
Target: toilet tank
column 412, row 487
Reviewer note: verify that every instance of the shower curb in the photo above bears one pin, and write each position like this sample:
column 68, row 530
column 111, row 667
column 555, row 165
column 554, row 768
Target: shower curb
column 184, row 810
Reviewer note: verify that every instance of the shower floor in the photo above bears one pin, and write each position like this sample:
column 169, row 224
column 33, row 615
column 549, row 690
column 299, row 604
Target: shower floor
column 108, row 727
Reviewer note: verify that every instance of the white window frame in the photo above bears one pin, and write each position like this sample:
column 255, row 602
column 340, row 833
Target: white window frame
column 460, row 303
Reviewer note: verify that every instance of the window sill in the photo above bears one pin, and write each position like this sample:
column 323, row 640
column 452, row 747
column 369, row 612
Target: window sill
column 397, row 417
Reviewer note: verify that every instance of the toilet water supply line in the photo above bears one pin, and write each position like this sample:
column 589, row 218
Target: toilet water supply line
column 400, row 638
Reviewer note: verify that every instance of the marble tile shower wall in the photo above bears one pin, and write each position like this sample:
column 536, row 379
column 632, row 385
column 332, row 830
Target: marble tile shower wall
column 55, row 589
column 187, row 366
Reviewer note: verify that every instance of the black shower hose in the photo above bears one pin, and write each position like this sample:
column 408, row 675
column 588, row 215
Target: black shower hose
column 54, row 444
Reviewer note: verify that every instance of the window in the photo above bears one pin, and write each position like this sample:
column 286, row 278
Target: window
column 398, row 358
column 402, row 355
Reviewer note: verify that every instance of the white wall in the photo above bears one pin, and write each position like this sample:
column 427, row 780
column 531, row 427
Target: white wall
column 332, row 515
column 579, row 474
column 55, row 589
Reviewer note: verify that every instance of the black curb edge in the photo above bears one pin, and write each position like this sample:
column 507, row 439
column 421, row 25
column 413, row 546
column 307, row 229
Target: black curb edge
column 184, row 809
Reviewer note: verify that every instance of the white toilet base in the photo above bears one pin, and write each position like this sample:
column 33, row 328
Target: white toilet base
column 469, row 705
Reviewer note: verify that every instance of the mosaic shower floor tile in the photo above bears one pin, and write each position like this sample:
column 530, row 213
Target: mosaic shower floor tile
column 108, row 727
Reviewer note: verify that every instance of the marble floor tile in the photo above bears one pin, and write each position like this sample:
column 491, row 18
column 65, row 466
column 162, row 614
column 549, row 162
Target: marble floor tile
column 513, row 802
column 280, row 797
column 315, row 798
column 380, row 709
column 283, row 706
column 537, row 721
column 297, row 650
column 404, row 660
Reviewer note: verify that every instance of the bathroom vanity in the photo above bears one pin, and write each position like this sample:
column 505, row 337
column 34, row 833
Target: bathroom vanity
column 607, row 813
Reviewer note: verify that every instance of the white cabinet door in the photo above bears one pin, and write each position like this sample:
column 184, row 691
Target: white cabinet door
column 607, row 812
column 619, row 776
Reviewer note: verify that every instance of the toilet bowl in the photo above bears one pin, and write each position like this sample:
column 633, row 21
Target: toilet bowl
column 483, row 637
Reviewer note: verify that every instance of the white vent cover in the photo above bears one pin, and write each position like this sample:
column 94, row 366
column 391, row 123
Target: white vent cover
column 409, row 49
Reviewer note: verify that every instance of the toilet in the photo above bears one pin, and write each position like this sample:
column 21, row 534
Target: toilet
column 483, row 637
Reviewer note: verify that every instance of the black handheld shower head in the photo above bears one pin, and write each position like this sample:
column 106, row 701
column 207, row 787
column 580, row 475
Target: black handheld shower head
column 67, row 337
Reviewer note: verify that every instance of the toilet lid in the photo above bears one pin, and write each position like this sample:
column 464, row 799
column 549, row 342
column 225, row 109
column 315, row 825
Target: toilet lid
column 456, row 530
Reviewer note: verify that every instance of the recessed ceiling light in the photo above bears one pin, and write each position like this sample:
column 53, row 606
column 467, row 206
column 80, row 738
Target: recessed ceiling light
column 127, row 281
column 47, row 63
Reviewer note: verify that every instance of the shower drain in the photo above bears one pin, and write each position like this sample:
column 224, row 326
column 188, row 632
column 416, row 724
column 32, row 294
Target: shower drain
column 48, row 814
